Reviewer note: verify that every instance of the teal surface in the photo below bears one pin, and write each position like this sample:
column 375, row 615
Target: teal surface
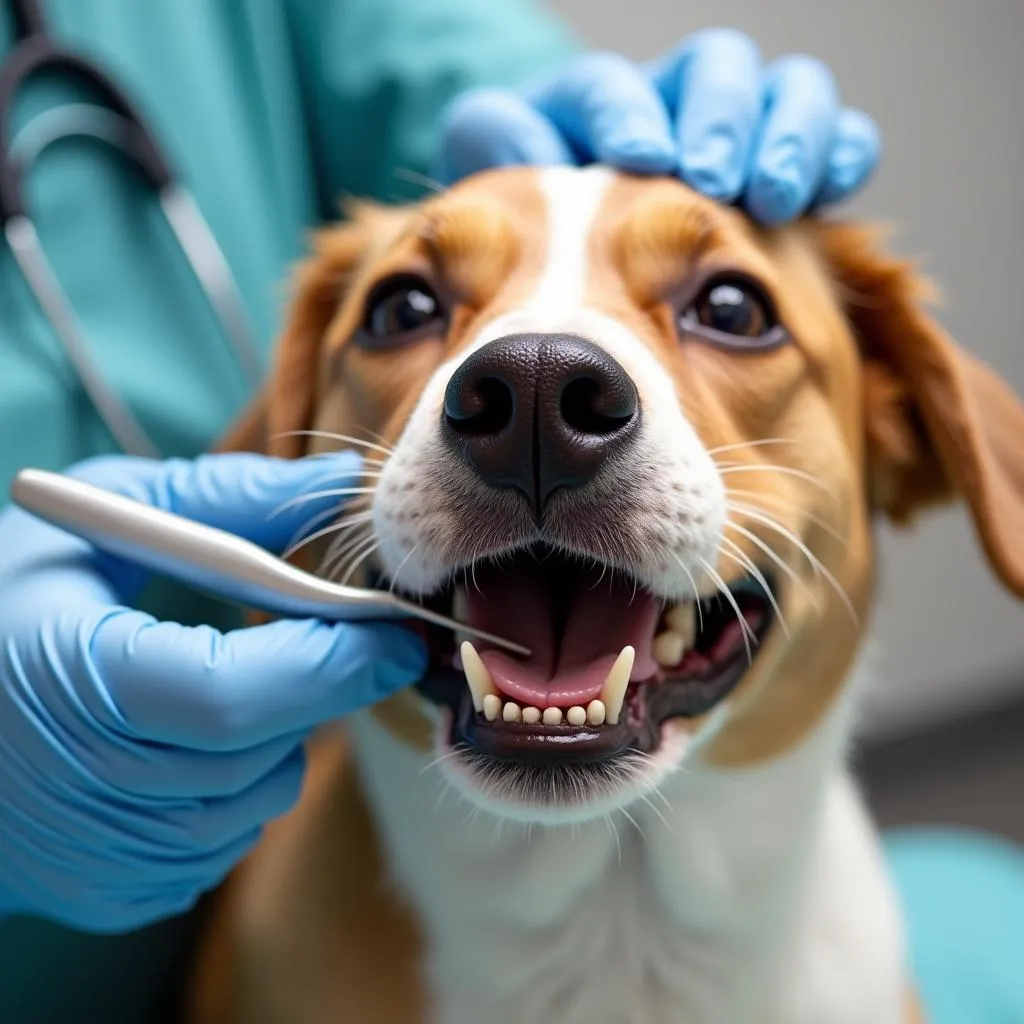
column 271, row 110
column 963, row 896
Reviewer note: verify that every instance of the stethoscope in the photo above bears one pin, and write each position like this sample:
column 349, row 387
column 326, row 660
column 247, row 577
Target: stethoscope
column 117, row 124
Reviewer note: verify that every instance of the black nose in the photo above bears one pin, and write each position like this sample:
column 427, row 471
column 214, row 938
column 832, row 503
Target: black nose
column 538, row 412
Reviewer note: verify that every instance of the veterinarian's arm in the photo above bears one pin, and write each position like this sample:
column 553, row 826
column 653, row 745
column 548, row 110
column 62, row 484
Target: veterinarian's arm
column 139, row 759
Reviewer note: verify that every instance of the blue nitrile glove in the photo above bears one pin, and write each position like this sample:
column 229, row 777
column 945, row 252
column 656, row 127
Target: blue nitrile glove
column 138, row 759
column 774, row 137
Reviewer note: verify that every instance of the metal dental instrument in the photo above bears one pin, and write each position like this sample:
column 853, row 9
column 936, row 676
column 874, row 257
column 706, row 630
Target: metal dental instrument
column 209, row 559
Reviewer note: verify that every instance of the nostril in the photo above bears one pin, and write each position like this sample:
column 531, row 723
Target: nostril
column 588, row 408
column 486, row 407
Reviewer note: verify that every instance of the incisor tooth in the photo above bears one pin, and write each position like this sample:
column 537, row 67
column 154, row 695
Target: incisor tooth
column 614, row 690
column 668, row 648
column 576, row 716
column 682, row 619
column 595, row 712
column 531, row 716
column 480, row 684
column 511, row 712
column 492, row 707
column 552, row 716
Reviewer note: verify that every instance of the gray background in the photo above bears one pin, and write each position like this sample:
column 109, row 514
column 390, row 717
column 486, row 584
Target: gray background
column 943, row 79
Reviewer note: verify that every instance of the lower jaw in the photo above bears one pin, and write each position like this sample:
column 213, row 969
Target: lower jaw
column 648, row 707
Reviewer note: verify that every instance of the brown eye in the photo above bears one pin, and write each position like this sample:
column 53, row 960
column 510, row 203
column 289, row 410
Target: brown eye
column 400, row 309
column 732, row 311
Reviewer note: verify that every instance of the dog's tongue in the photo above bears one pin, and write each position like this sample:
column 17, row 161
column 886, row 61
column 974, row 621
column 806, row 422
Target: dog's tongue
column 574, row 623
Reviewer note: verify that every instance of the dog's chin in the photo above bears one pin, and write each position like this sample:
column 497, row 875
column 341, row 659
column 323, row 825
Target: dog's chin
column 603, row 709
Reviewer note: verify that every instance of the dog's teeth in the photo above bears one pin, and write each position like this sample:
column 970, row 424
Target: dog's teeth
column 576, row 716
column 460, row 613
column 511, row 712
column 481, row 685
column 552, row 716
column 492, row 707
column 595, row 712
column 531, row 716
column 668, row 648
column 613, row 693
column 682, row 619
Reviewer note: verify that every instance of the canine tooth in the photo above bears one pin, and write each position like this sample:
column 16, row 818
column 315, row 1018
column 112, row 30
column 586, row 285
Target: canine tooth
column 595, row 712
column 531, row 716
column 552, row 716
column 614, row 690
column 576, row 716
column 479, row 679
column 511, row 712
column 492, row 707
column 668, row 648
column 682, row 619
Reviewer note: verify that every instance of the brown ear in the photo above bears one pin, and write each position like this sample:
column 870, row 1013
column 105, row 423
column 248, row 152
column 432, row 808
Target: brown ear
column 939, row 422
column 316, row 289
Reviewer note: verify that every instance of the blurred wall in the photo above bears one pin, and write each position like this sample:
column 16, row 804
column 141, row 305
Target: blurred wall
column 945, row 82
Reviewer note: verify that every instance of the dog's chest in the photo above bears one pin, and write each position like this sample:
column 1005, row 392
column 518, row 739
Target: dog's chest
column 544, row 944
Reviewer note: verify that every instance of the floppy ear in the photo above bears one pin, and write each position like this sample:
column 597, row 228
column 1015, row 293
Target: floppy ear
column 317, row 287
column 939, row 422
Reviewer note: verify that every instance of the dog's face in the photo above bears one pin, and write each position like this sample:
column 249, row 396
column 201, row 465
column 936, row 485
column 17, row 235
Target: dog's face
column 609, row 420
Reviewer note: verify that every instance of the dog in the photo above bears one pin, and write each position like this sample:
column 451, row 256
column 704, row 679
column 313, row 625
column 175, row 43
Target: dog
column 617, row 423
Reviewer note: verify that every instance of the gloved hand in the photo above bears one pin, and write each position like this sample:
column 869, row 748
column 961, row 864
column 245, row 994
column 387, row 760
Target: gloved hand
column 138, row 759
column 774, row 137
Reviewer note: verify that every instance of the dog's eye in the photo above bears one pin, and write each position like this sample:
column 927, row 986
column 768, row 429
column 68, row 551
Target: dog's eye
column 732, row 311
column 399, row 307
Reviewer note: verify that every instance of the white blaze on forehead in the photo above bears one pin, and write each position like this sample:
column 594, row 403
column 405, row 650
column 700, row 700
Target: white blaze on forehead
column 573, row 198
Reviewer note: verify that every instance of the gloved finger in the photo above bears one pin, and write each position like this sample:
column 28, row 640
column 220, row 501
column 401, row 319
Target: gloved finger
column 155, row 771
column 855, row 155
column 200, row 689
column 486, row 128
column 713, row 85
column 215, row 823
column 790, row 160
column 610, row 113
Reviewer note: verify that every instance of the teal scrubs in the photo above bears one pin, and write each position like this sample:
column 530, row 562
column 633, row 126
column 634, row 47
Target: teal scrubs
column 271, row 110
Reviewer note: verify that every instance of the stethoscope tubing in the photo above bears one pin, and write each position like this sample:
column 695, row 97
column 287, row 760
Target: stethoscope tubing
column 118, row 124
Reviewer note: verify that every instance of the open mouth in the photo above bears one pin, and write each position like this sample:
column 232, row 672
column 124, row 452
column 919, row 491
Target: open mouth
column 610, row 662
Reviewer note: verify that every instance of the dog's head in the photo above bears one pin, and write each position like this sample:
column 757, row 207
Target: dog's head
column 612, row 421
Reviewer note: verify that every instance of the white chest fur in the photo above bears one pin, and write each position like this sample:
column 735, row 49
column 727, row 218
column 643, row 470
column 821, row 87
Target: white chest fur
column 732, row 897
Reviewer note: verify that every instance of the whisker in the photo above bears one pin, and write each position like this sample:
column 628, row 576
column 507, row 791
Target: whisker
column 748, row 633
column 790, row 505
column 696, row 592
column 813, row 560
column 744, row 560
column 782, row 470
column 654, row 810
column 401, row 565
column 311, row 524
column 751, row 444
column 778, row 560
column 415, row 178
column 358, row 560
column 339, row 527
column 341, row 547
column 337, row 492
column 629, row 817
column 454, row 752
column 327, row 435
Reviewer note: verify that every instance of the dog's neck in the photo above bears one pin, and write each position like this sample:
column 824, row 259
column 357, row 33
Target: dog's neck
column 670, row 909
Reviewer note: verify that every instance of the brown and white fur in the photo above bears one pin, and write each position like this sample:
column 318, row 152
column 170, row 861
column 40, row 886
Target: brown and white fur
column 732, row 875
